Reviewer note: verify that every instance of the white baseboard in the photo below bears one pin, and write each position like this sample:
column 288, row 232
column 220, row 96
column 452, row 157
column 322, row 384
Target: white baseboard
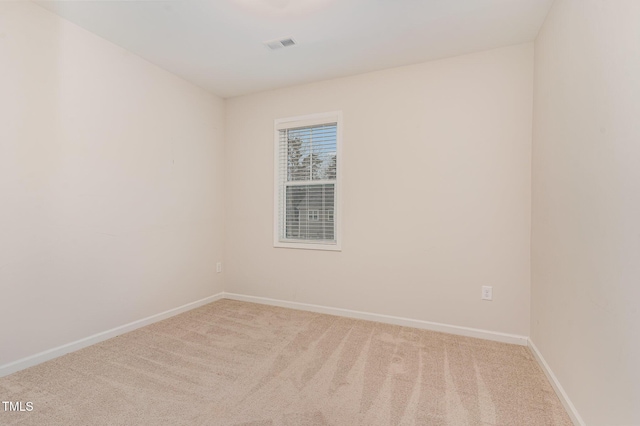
column 38, row 358
column 388, row 319
column 47, row 355
column 562, row 395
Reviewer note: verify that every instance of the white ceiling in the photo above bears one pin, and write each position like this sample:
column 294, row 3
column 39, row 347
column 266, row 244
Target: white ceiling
column 218, row 44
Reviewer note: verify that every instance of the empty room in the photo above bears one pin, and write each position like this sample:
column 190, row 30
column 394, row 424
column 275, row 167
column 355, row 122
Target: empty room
column 320, row 212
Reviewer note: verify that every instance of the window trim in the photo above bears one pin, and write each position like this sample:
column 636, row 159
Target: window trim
column 304, row 121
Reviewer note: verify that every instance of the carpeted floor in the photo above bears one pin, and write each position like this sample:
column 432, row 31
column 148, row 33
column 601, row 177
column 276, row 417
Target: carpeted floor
column 237, row 363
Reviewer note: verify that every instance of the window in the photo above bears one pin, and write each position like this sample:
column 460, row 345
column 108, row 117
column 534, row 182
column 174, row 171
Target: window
column 307, row 162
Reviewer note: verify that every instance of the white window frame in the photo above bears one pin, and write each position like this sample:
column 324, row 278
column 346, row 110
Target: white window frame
column 303, row 121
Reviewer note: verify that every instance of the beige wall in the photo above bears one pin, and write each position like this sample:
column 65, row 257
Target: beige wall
column 436, row 180
column 586, row 205
column 110, row 185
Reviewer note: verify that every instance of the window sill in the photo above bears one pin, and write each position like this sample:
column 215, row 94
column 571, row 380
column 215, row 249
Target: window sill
column 307, row 246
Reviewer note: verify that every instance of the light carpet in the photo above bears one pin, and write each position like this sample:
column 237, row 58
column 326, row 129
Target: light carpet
column 238, row 363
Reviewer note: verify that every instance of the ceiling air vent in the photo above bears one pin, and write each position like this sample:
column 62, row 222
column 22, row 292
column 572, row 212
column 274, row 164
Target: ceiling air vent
column 279, row 44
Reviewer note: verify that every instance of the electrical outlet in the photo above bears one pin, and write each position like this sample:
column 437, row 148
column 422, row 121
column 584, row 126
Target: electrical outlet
column 219, row 267
column 487, row 292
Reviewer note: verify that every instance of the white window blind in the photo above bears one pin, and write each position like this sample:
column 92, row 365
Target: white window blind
column 307, row 183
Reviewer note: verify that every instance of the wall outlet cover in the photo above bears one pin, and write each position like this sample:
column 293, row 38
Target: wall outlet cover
column 487, row 292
